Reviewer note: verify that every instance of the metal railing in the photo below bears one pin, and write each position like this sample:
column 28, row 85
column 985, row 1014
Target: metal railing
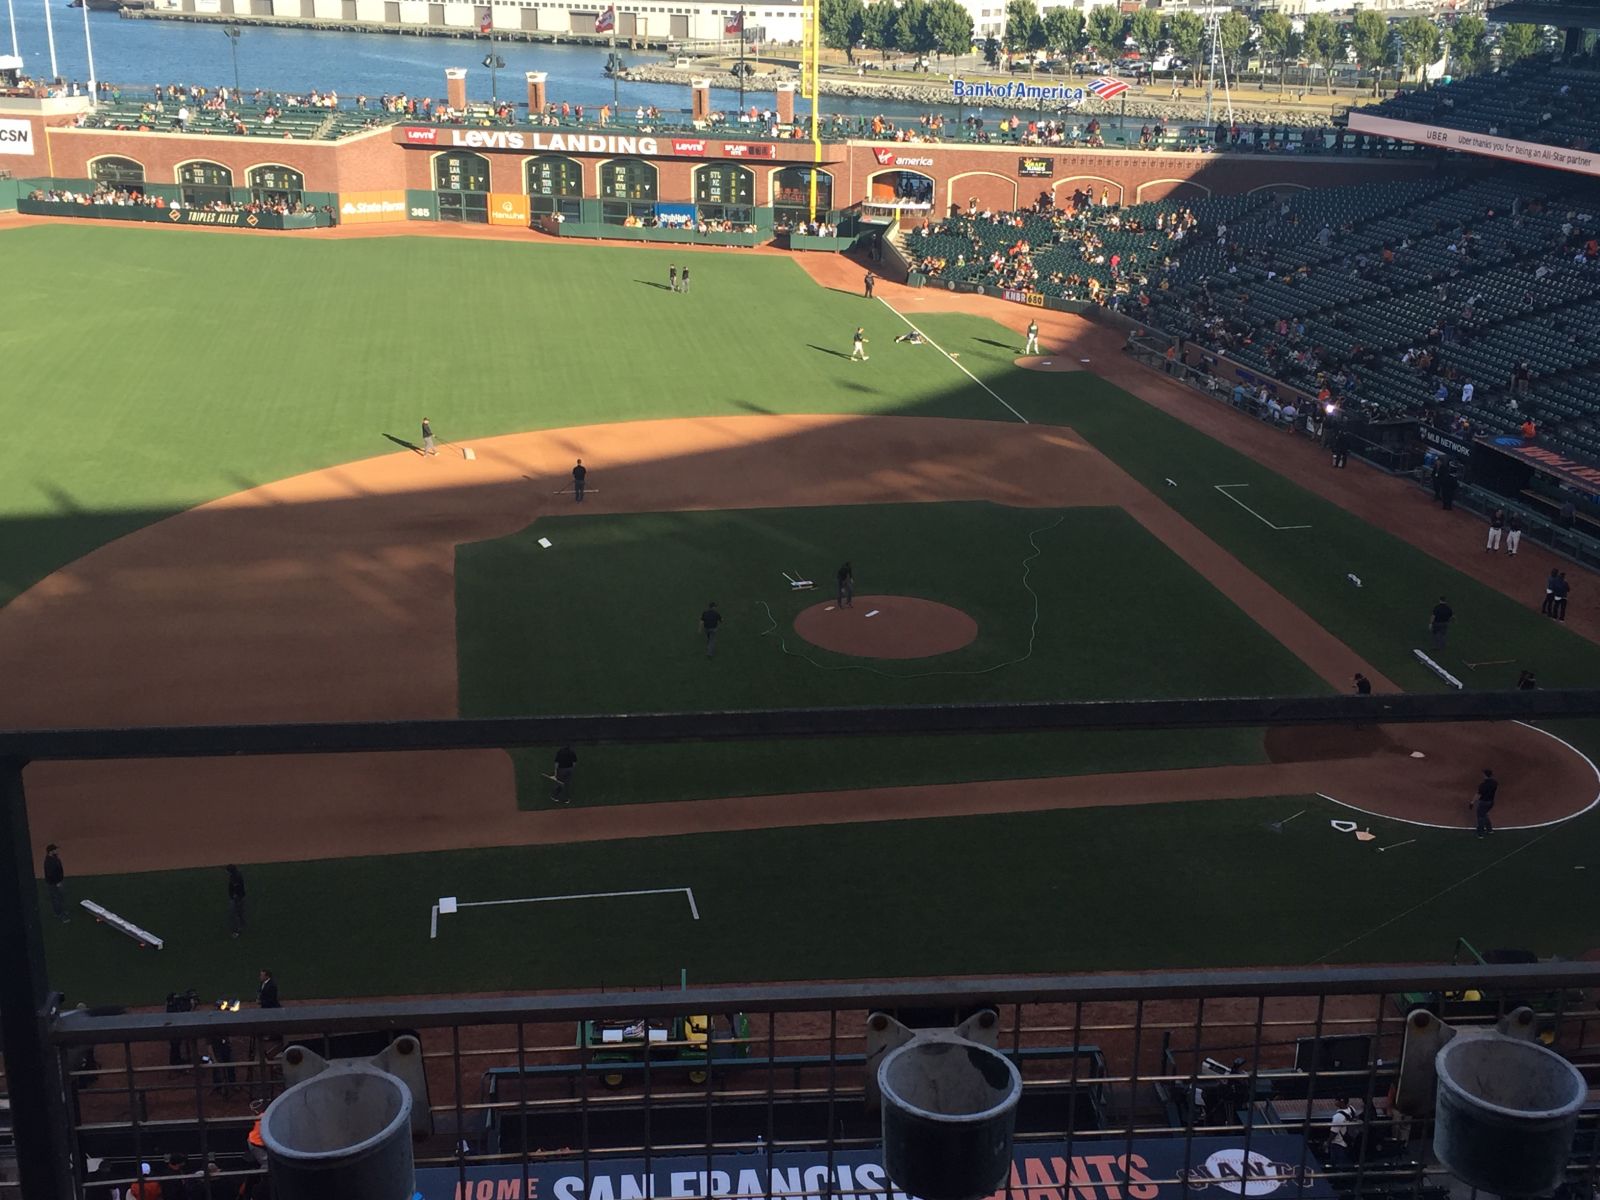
column 124, row 1101
column 1132, row 1082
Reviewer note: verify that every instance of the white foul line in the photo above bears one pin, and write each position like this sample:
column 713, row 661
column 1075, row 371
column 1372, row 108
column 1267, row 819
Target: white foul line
column 955, row 360
column 1223, row 488
column 694, row 909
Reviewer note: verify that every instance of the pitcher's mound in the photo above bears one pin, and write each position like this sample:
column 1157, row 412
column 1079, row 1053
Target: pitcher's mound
column 886, row 627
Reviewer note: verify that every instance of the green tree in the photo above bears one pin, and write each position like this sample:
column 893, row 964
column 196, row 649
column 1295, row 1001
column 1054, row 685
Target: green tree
column 1419, row 44
column 1369, row 36
column 913, row 31
column 881, row 27
column 1145, row 26
column 1324, row 43
column 842, row 25
column 991, row 51
column 1024, row 30
column 1233, row 31
column 1105, row 30
column 1518, row 42
column 1063, row 30
column 951, row 26
column 1469, row 47
column 1188, row 34
column 1277, row 33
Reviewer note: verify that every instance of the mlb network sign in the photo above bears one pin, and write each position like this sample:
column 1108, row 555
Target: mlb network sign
column 1152, row 1169
column 16, row 137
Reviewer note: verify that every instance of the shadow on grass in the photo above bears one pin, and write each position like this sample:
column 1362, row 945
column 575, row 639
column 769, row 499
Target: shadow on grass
column 660, row 287
column 992, row 342
column 827, row 350
column 400, row 441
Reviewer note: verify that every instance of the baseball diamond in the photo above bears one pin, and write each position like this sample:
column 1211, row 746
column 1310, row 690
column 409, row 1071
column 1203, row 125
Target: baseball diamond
column 1032, row 507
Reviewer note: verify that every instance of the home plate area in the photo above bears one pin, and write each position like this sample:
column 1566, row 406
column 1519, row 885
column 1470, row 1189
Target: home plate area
column 886, row 627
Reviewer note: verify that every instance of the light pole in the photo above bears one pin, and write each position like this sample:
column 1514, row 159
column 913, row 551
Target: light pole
column 494, row 62
column 232, row 32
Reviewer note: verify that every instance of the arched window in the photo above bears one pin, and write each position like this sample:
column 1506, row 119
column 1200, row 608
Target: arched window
column 275, row 184
column 555, row 185
column 724, row 192
column 791, row 195
column 901, row 190
column 205, row 184
column 462, row 181
column 117, row 172
column 627, row 189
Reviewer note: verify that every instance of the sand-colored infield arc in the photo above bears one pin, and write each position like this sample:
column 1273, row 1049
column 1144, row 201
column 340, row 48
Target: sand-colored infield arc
column 887, row 627
column 330, row 596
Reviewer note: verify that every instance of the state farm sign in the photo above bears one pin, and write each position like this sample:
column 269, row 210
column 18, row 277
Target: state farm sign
column 539, row 142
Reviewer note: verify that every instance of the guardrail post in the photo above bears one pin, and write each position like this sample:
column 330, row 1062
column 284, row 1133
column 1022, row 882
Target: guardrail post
column 33, row 1074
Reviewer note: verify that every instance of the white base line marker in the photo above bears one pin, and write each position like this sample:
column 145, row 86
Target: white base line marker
column 1223, row 488
column 955, row 360
column 874, row 612
column 694, row 909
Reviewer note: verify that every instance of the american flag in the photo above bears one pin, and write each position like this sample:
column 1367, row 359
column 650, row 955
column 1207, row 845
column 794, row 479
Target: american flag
column 606, row 21
column 1106, row 88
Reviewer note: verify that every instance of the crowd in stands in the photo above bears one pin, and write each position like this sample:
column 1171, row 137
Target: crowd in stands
column 1088, row 250
column 122, row 197
column 1466, row 303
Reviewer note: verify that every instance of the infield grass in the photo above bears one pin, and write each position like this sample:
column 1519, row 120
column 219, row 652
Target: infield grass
column 1111, row 614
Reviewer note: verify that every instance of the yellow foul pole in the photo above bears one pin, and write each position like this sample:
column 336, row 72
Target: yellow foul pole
column 810, row 66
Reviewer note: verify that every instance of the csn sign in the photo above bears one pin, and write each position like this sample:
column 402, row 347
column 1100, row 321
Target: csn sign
column 16, row 137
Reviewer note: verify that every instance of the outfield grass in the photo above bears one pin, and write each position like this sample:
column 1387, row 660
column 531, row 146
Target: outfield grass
column 148, row 373
column 1107, row 595
column 302, row 355
column 1179, row 885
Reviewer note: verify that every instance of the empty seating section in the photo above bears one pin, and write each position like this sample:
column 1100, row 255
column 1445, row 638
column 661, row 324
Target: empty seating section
column 1533, row 102
column 243, row 120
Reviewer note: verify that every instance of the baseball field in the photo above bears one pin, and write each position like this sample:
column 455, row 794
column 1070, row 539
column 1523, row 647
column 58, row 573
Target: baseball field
column 219, row 511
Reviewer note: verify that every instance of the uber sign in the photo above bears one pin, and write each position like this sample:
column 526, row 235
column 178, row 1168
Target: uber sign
column 16, row 137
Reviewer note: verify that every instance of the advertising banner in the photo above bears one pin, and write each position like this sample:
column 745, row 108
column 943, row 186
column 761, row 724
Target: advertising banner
column 1200, row 1168
column 16, row 137
column 749, row 150
column 1585, row 162
column 508, row 208
column 364, row 208
column 533, row 141
column 175, row 216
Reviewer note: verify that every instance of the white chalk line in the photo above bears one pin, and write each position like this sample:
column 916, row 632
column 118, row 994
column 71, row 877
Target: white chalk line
column 1528, row 845
column 694, row 908
column 955, row 360
column 1223, row 488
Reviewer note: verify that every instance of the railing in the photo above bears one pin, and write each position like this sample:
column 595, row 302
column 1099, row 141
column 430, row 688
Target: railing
column 126, row 1100
column 1137, row 1082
